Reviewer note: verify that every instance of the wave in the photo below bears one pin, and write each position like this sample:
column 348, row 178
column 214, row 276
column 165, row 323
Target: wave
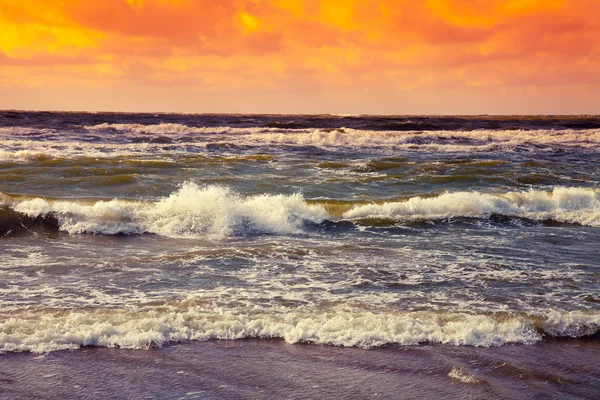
column 86, row 154
column 13, row 222
column 451, row 140
column 118, row 140
column 443, row 141
column 569, row 205
column 191, row 211
column 23, row 156
column 195, row 211
column 176, row 129
column 44, row 331
column 30, row 151
column 477, row 139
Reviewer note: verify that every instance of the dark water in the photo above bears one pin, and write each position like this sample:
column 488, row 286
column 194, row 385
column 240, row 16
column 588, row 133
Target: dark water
column 469, row 235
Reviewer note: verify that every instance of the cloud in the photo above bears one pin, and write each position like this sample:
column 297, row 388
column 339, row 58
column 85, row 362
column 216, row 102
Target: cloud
column 286, row 45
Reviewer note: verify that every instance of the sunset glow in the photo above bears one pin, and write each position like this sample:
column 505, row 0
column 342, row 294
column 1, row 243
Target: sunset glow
column 329, row 56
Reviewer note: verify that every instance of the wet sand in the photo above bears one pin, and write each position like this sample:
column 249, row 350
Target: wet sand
column 258, row 369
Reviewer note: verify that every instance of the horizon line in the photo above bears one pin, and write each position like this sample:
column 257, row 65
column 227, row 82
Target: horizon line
column 292, row 114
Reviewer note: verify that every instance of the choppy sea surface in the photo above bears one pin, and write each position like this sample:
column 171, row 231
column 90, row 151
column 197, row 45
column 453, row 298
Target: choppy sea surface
column 141, row 231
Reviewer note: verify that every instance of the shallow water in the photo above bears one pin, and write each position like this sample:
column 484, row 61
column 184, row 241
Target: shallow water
column 141, row 231
column 259, row 369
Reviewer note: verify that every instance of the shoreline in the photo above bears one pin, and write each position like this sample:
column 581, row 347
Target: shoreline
column 271, row 368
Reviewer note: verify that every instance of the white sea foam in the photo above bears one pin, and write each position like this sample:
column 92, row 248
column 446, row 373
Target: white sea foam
column 463, row 376
column 573, row 324
column 14, row 147
column 194, row 211
column 175, row 129
column 478, row 140
column 29, row 151
column 48, row 331
column 23, row 156
column 139, row 128
column 189, row 212
column 569, row 205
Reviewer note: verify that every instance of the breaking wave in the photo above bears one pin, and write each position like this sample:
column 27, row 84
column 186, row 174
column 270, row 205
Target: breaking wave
column 23, row 156
column 173, row 129
column 195, row 211
column 475, row 140
column 189, row 212
column 45, row 331
column 117, row 140
column 569, row 205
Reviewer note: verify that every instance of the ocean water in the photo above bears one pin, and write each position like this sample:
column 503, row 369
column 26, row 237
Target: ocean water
column 376, row 234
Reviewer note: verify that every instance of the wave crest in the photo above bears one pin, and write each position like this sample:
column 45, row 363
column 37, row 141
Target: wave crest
column 438, row 140
column 49, row 331
column 188, row 212
column 23, row 156
column 569, row 205
column 194, row 211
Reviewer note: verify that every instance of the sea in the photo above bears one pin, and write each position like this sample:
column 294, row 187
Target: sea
column 176, row 256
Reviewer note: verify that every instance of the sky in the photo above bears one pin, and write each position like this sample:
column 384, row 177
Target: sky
column 293, row 56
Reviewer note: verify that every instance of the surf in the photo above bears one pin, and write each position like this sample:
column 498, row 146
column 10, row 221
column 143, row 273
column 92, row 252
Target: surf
column 194, row 210
column 46, row 330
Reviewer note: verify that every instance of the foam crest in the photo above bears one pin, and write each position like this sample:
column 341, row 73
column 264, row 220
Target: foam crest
column 462, row 375
column 48, row 331
column 189, row 212
column 476, row 140
column 23, row 156
column 569, row 205
column 479, row 140
column 193, row 210
column 114, row 140
column 173, row 129
column 29, row 151
column 573, row 324
column 139, row 128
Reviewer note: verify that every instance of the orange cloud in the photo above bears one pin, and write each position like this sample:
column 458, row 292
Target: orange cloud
column 344, row 50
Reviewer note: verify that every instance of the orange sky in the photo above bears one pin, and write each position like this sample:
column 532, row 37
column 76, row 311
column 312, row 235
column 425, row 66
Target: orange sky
column 327, row 56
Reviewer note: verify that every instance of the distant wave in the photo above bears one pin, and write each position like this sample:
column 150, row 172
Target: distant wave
column 194, row 211
column 23, row 156
column 117, row 140
column 29, row 151
column 11, row 131
column 175, row 129
column 481, row 140
column 46, row 330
